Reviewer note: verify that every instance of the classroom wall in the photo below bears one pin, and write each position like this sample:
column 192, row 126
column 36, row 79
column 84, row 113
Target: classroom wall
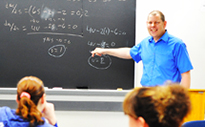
column 185, row 19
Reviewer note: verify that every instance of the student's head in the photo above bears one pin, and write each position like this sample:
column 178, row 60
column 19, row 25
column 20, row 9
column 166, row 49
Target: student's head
column 156, row 24
column 30, row 99
column 160, row 106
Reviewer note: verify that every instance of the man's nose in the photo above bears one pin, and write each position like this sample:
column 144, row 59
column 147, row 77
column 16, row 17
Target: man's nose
column 153, row 24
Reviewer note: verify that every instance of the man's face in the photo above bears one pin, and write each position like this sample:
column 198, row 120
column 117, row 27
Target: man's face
column 155, row 26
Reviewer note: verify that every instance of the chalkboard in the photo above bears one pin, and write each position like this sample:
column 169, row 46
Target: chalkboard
column 52, row 39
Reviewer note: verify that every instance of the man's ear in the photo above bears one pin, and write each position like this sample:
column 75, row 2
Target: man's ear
column 142, row 122
column 17, row 101
column 165, row 24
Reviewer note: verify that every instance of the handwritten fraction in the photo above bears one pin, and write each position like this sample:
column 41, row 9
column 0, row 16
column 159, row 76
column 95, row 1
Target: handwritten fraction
column 56, row 20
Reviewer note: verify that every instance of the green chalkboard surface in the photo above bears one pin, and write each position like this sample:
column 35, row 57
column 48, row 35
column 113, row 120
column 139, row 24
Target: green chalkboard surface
column 52, row 39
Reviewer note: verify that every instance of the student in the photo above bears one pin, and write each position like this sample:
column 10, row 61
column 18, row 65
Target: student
column 159, row 106
column 33, row 109
column 164, row 56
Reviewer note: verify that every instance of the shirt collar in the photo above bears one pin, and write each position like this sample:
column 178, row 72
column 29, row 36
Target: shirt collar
column 164, row 38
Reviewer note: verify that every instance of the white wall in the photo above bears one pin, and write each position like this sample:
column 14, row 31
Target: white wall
column 186, row 20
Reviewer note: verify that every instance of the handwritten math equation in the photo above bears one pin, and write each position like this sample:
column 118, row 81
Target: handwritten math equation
column 58, row 24
column 102, row 44
column 100, row 62
column 55, row 20
column 105, row 31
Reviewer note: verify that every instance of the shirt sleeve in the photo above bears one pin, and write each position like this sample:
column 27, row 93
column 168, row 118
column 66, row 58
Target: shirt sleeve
column 135, row 53
column 182, row 59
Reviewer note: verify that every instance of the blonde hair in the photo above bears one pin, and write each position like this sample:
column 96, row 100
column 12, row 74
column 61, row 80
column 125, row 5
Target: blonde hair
column 161, row 106
column 27, row 107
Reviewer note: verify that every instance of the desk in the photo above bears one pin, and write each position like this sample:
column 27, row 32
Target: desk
column 197, row 97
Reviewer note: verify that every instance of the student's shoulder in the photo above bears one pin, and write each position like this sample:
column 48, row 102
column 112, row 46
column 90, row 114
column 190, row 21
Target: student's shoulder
column 5, row 109
column 45, row 125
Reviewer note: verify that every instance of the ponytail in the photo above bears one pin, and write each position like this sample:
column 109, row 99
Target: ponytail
column 29, row 91
column 28, row 110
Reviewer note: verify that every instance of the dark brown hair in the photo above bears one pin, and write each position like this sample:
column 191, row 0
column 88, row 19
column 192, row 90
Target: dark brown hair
column 27, row 108
column 160, row 106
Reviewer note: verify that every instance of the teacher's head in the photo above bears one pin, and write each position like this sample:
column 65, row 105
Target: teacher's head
column 156, row 24
column 160, row 106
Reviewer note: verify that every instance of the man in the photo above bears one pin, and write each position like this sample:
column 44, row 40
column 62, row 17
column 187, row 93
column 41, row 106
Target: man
column 164, row 56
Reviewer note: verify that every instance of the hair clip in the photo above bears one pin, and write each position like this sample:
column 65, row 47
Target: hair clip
column 25, row 94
